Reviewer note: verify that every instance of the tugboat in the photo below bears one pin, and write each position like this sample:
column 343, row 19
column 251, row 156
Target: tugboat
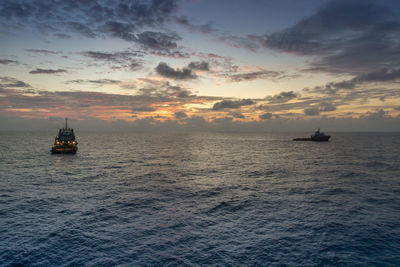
column 65, row 142
column 317, row 136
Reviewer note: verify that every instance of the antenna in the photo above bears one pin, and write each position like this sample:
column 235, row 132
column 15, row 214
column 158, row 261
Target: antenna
column 66, row 125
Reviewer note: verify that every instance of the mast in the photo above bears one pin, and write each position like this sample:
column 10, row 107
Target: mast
column 66, row 125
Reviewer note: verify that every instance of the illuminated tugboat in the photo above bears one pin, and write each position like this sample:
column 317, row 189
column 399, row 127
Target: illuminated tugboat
column 317, row 136
column 65, row 142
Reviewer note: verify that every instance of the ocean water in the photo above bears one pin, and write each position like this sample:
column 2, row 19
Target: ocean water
column 200, row 199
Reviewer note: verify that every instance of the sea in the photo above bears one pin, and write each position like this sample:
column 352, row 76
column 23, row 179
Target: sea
column 200, row 199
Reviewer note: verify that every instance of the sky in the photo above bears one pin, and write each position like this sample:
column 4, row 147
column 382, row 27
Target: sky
column 227, row 65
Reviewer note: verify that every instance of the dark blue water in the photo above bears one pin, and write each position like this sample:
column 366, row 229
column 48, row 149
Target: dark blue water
column 134, row 199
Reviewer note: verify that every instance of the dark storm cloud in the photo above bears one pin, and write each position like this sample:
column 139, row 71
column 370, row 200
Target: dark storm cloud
column 120, row 18
column 7, row 61
column 177, row 74
column 348, row 36
column 184, row 21
column 47, row 71
column 282, row 97
column 180, row 115
column 232, row 104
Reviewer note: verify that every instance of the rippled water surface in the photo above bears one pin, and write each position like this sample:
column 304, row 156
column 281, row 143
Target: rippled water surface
column 134, row 199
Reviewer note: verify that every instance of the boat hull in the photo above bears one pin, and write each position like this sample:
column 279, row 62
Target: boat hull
column 321, row 138
column 64, row 150
column 315, row 139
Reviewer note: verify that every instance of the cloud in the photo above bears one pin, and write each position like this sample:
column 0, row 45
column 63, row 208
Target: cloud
column 197, row 65
column 142, row 109
column 204, row 28
column 185, row 73
column 7, row 61
column 42, row 51
column 381, row 75
column 100, row 55
column 165, row 91
column 265, row 116
column 47, row 71
column 231, row 104
column 375, row 76
column 237, row 115
column 82, row 29
column 158, row 41
column 135, row 65
column 166, row 71
column 240, row 42
column 248, row 76
column 19, row 98
column 98, row 82
column 119, row 19
column 197, row 123
column 123, row 59
column 120, row 30
column 366, row 37
column 63, row 35
column 311, row 112
column 377, row 115
column 118, row 57
column 10, row 82
column 180, row 115
column 282, row 97
column 326, row 107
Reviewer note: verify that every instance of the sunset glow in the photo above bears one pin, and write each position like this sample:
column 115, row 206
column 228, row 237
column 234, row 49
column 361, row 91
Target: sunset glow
column 92, row 60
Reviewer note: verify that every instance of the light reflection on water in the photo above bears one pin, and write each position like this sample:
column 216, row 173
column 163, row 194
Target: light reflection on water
column 199, row 199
